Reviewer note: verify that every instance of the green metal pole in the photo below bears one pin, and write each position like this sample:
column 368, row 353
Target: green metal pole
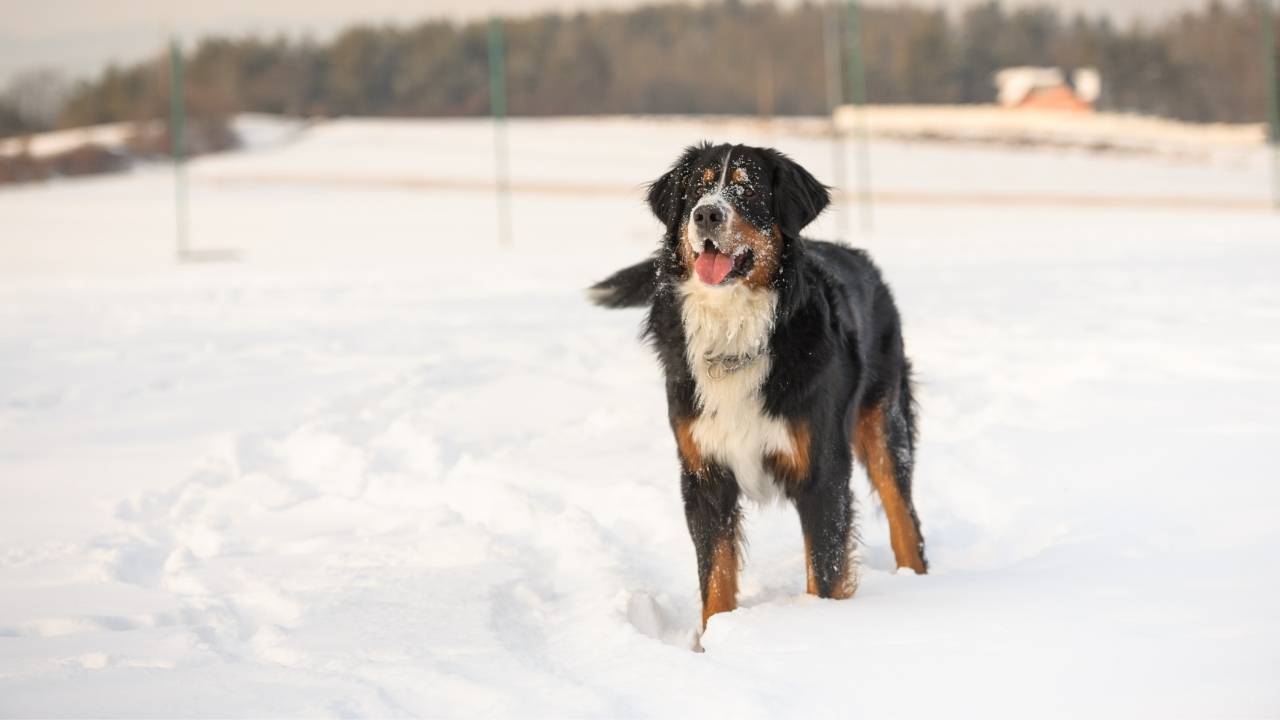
column 858, row 94
column 178, row 146
column 1273, row 102
column 498, row 108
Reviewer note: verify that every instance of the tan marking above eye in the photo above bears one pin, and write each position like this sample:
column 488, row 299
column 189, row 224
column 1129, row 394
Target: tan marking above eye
column 708, row 175
column 740, row 175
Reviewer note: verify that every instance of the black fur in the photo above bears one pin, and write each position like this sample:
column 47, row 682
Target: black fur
column 836, row 350
column 629, row 287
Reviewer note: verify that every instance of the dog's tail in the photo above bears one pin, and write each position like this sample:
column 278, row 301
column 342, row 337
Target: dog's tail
column 632, row 286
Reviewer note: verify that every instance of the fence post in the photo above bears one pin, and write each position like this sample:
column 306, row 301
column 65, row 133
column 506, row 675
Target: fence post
column 177, row 143
column 858, row 94
column 1273, row 103
column 498, row 108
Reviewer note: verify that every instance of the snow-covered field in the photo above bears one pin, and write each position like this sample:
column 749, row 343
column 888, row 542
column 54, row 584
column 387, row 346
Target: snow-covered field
column 384, row 467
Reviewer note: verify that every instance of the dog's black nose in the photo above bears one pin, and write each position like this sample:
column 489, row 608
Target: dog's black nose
column 708, row 218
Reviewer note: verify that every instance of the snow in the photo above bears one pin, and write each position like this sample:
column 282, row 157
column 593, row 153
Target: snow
column 383, row 467
column 1101, row 131
column 254, row 130
column 55, row 142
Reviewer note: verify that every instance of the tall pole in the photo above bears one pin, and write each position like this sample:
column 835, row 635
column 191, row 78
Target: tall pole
column 835, row 96
column 858, row 93
column 498, row 108
column 1273, row 103
column 178, row 145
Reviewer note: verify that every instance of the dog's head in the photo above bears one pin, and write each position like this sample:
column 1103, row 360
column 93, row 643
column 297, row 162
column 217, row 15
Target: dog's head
column 731, row 210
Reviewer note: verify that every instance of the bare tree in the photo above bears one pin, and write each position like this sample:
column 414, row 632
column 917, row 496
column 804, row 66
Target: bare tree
column 36, row 97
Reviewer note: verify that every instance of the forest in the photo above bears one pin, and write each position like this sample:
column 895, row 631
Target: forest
column 721, row 57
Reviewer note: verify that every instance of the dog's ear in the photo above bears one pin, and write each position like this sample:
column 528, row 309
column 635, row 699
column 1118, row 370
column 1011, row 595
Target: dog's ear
column 797, row 195
column 665, row 192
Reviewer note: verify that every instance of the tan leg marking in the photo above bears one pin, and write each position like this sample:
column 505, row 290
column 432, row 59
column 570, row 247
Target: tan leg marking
column 792, row 467
column 689, row 453
column 845, row 586
column 811, row 578
column 871, row 447
column 722, row 582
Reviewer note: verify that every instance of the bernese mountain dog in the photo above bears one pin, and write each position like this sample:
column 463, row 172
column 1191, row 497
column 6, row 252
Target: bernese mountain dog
column 783, row 359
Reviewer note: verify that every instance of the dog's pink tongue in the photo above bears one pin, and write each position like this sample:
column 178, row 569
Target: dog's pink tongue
column 712, row 266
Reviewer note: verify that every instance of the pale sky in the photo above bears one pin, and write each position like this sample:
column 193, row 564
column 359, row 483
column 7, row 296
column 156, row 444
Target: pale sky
column 81, row 36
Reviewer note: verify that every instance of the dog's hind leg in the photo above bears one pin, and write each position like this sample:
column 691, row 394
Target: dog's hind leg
column 884, row 441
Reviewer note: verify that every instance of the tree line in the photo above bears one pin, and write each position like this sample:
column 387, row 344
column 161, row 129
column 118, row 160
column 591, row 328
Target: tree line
column 724, row 56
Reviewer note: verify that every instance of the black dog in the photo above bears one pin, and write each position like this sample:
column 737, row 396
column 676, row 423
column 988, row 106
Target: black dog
column 783, row 360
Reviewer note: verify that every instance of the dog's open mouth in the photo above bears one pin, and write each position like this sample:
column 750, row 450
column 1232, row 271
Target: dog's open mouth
column 714, row 267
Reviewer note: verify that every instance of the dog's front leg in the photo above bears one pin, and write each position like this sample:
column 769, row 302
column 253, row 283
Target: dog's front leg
column 711, row 510
column 825, row 504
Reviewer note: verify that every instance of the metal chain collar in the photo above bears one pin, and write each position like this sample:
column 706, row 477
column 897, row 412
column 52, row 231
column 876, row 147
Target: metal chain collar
column 722, row 366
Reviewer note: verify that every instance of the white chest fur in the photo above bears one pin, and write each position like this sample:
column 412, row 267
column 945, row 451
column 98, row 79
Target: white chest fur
column 732, row 427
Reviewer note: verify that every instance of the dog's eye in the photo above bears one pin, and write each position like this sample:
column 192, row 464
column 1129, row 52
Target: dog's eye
column 748, row 192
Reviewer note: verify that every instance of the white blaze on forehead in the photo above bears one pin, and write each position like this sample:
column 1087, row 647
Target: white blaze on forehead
column 724, row 169
column 714, row 197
